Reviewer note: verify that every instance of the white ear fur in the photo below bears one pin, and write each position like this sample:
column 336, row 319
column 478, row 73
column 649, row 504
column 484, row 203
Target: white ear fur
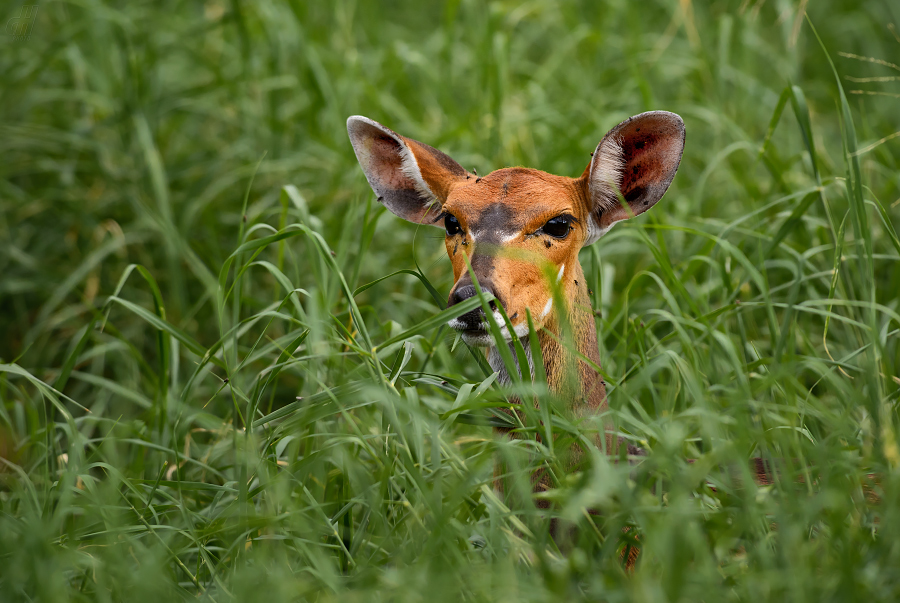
column 606, row 172
column 604, row 177
column 410, row 167
column 636, row 161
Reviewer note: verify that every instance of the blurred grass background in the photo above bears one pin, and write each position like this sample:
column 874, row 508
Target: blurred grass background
column 183, row 224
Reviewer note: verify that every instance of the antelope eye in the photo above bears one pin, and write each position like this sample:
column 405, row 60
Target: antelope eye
column 452, row 225
column 558, row 227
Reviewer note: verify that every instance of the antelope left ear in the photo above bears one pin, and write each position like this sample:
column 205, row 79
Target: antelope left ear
column 410, row 178
column 637, row 159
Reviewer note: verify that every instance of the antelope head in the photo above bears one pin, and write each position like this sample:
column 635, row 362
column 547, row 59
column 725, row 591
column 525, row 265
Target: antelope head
column 517, row 225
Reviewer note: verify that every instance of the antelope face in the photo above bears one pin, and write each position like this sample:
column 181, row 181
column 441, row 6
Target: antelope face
column 520, row 229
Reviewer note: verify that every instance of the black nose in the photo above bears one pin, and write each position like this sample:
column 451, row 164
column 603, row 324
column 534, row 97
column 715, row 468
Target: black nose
column 461, row 294
column 473, row 319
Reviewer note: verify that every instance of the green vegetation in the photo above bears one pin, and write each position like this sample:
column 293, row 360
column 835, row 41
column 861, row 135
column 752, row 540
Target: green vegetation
column 200, row 402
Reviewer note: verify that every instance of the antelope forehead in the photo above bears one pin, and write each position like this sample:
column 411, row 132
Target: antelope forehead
column 495, row 223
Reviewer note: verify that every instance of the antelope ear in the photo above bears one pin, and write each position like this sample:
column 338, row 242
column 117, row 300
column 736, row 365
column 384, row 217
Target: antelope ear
column 412, row 179
column 637, row 159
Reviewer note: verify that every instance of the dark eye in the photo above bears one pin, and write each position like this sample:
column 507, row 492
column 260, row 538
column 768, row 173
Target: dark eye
column 452, row 225
column 558, row 227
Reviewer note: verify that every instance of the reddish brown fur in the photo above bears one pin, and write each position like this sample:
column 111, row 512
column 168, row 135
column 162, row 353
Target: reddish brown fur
column 500, row 216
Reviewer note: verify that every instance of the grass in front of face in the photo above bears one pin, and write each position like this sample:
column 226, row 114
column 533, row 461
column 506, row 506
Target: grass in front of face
column 223, row 367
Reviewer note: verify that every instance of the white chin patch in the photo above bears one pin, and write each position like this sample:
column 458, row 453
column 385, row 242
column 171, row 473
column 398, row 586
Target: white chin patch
column 484, row 338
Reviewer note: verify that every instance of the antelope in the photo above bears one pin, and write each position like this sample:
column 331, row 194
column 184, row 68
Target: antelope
column 512, row 224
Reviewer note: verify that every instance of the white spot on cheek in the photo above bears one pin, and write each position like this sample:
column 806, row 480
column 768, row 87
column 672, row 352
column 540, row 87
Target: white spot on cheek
column 559, row 276
column 510, row 238
column 547, row 308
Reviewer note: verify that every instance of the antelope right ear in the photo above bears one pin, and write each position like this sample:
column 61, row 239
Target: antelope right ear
column 637, row 159
column 410, row 178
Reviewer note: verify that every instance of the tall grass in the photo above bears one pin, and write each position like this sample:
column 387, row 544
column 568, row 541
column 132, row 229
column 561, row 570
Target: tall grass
column 223, row 367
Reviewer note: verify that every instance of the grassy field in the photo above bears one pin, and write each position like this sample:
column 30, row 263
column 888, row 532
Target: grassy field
column 201, row 400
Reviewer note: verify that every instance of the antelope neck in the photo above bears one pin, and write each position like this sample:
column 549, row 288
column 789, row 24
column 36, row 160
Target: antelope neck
column 559, row 360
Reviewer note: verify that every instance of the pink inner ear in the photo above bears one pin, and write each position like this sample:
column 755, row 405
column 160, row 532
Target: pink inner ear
column 652, row 151
column 641, row 154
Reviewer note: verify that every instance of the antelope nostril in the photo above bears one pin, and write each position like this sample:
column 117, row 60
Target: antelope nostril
column 461, row 294
column 464, row 292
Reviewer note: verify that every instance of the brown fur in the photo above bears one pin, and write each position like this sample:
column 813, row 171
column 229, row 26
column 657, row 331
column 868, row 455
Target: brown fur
column 501, row 216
